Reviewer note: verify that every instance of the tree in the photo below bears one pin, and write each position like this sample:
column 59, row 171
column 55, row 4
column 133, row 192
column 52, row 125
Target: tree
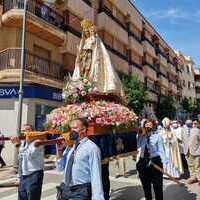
column 165, row 107
column 136, row 93
column 190, row 105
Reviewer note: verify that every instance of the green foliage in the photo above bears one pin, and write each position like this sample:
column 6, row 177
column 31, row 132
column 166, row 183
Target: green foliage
column 190, row 105
column 185, row 104
column 136, row 93
column 165, row 107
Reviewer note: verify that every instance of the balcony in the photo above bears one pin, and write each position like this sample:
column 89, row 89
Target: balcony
column 136, row 46
column 150, row 71
column 197, row 84
column 148, row 48
column 198, row 96
column 163, row 60
column 42, row 20
column 106, row 23
column 173, row 87
column 163, row 80
column 172, row 68
column 10, row 61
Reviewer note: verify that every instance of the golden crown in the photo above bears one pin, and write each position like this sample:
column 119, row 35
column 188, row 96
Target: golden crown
column 87, row 24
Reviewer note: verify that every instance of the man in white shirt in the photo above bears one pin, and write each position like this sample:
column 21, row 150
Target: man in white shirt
column 81, row 165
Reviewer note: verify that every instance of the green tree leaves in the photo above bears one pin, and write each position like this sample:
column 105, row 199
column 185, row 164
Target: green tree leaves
column 136, row 92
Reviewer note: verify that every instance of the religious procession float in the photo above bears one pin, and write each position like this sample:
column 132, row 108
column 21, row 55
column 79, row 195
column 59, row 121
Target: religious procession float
column 95, row 92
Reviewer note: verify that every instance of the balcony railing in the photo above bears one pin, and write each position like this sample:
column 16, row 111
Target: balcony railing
column 10, row 59
column 39, row 9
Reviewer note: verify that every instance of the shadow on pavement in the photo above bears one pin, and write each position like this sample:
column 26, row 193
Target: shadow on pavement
column 179, row 193
column 171, row 192
column 131, row 172
column 127, row 193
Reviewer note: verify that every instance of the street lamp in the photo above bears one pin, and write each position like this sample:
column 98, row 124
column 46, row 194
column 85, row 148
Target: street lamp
column 21, row 84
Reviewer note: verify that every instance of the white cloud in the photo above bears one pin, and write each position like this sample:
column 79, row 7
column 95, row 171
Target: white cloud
column 174, row 15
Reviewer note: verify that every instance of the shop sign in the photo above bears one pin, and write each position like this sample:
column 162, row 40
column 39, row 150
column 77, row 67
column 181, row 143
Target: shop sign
column 32, row 91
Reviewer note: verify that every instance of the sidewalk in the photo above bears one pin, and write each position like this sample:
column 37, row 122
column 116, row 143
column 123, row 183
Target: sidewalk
column 8, row 172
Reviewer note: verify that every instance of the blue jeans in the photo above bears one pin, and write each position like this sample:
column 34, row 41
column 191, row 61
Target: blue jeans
column 30, row 187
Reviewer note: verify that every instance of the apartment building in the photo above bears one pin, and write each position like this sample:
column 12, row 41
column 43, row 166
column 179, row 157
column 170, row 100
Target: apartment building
column 187, row 75
column 52, row 35
column 197, row 83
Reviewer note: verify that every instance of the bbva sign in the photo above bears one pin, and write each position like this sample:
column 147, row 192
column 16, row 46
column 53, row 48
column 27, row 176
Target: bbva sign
column 8, row 92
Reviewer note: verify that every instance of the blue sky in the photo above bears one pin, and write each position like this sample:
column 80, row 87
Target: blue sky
column 177, row 21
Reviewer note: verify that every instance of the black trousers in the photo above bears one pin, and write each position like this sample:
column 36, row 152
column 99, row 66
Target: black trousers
column 186, row 174
column 150, row 176
column 106, row 181
column 30, row 187
column 1, row 159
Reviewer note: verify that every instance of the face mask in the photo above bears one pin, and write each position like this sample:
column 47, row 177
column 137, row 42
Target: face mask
column 175, row 126
column 148, row 129
column 73, row 135
column 189, row 125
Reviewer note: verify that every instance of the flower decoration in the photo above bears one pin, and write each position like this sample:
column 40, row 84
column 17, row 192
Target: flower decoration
column 101, row 113
column 76, row 91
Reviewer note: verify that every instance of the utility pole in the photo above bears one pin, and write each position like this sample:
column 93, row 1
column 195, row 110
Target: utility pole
column 21, row 84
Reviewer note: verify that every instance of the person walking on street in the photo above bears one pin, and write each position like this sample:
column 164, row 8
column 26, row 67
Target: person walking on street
column 173, row 164
column 151, row 149
column 31, row 167
column 2, row 145
column 194, row 155
column 182, row 139
column 81, row 165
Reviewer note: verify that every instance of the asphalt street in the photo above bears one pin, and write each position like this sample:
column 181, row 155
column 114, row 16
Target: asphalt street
column 122, row 188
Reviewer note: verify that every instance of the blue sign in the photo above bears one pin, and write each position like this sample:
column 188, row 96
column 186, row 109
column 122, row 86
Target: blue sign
column 32, row 91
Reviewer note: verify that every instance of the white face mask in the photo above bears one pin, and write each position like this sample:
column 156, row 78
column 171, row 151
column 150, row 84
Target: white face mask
column 175, row 125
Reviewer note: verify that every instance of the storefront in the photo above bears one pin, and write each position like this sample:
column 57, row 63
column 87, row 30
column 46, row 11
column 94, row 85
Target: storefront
column 38, row 101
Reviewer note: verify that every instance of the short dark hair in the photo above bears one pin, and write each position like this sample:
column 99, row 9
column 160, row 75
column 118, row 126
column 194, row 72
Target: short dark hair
column 83, row 121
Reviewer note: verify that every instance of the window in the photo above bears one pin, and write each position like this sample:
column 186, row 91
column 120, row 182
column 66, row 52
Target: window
column 120, row 16
column 189, row 85
column 184, row 83
column 135, row 57
column 136, row 31
column 73, row 21
column 42, row 52
column 108, row 39
column 188, row 69
column 41, row 60
column 120, row 47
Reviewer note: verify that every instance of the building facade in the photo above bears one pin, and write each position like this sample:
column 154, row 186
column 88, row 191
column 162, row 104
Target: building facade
column 52, row 35
column 187, row 76
column 197, row 83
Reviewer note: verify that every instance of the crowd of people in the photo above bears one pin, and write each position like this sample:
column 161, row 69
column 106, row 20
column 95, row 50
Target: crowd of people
column 170, row 146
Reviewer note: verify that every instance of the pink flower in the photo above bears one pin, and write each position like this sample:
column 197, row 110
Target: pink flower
column 80, row 87
column 83, row 93
column 95, row 89
column 98, row 120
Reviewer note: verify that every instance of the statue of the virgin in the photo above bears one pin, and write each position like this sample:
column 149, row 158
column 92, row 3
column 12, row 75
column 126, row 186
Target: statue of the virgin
column 93, row 62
